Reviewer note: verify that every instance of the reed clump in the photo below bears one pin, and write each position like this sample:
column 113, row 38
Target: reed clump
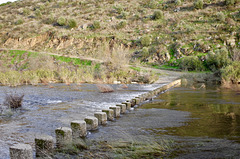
column 13, row 101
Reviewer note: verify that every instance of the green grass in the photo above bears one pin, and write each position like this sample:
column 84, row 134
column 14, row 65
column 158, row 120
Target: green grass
column 201, row 54
column 166, row 67
column 18, row 56
column 75, row 61
column 4, row 4
column 135, row 68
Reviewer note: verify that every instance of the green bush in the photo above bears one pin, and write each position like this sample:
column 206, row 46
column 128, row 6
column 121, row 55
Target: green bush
column 220, row 16
column 191, row 63
column 157, row 15
column 230, row 2
column 121, row 25
column 19, row 21
column 49, row 20
column 72, row 23
column 198, row 4
column 145, row 52
column 231, row 73
column 123, row 15
column 62, row 21
column 217, row 60
column 178, row 2
column 118, row 8
column 145, row 40
column 26, row 11
column 38, row 13
column 96, row 25
column 153, row 4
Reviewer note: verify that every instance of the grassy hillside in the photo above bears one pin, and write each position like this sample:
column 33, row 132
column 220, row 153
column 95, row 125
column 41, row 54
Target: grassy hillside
column 186, row 34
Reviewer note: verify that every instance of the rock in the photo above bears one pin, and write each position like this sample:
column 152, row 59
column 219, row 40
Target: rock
column 116, row 110
column 79, row 128
column 44, row 145
column 102, row 117
column 167, row 56
column 21, row 151
column 110, row 114
column 92, row 123
column 63, row 136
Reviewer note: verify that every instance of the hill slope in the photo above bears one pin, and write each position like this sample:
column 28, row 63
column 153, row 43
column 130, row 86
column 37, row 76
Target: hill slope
column 153, row 31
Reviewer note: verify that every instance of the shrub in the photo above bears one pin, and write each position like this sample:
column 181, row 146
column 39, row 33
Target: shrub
column 118, row 9
column 230, row 2
column 49, row 20
column 13, row 100
column 124, row 14
column 19, row 21
column 178, row 2
column 145, row 52
column 96, row 25
column 145, row 40
column 153, row 4
column 191, row 63
column 26, row 11
column 121, row 25
column 38, row 13
column 72, row 23
column 220, row 16
column 217, row 60
column 157, row 15
column 198, row 4
column 61, row 21
column 231, row 73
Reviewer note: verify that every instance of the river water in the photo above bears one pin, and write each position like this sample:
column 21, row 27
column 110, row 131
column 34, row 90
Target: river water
column 187, row 123
column 184, row 123
column 46, row 108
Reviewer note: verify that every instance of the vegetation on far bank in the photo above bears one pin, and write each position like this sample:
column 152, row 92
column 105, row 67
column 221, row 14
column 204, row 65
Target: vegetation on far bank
column 22, row 67
column 192, row 35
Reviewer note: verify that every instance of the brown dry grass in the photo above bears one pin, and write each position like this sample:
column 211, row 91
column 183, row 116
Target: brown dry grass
column 13, row 100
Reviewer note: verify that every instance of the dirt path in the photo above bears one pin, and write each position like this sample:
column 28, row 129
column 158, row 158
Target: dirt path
column 166, row 76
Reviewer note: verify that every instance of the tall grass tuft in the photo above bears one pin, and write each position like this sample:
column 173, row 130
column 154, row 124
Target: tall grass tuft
column 13, row 100
column 198, row 4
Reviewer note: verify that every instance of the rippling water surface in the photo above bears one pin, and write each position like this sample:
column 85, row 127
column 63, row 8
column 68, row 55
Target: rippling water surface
column 45, row 109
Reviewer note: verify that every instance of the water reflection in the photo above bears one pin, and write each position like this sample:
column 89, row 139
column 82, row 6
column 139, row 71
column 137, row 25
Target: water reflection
column 214, row 112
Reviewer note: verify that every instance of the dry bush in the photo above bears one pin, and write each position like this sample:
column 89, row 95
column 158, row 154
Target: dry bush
column 103, row 88
column 41, row 61
column 13, row 100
